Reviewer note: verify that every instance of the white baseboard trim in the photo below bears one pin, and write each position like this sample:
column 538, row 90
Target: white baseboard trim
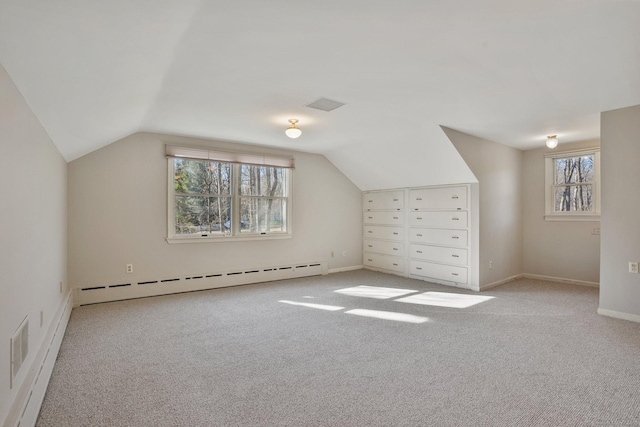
column 500, row 282
column 26, row 406
column 561, row 280
column 619, row 315
column 342, row 269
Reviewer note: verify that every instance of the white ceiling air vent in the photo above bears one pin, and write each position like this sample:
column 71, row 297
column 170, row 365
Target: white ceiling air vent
column 325, row 104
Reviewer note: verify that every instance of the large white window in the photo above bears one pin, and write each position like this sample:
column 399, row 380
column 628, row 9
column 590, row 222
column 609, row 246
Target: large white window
column 219, row 196
column 573, row 185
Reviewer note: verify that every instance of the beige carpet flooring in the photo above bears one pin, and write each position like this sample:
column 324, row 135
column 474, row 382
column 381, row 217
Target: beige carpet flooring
column 349, row 349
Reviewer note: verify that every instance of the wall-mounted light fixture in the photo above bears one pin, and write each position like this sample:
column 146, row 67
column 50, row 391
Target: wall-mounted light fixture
column 292, row 131
column 552, row 141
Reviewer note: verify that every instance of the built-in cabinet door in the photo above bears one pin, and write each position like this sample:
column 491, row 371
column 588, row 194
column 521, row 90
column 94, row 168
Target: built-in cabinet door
column 439, row 236
column 454, row 256
column 384, row 262
column 447, row 198
column 384, row 247
column 384, row 218
column 382, row 232
column 439, row 219
column 383, row 200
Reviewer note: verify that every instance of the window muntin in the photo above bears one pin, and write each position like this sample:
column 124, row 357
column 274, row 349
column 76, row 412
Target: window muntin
column 211, row 199
column 573, row 185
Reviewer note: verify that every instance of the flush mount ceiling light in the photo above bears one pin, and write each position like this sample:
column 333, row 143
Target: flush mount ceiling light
column 552, row 141
column 292, row 131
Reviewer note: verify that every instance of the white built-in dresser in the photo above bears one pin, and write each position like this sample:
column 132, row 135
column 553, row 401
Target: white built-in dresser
column 421, row 233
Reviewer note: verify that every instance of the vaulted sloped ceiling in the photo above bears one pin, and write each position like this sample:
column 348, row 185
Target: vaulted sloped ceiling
column 511, row 71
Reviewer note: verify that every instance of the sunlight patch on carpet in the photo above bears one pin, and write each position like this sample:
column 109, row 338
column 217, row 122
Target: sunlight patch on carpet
column 388, row 315
column 445, row 299
column 318, row 306
column 376, row 292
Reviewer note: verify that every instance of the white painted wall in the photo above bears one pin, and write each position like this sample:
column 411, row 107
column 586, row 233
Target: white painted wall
column 559, row 249
column 32, row 232
column 498, row 170
column 117, row 215
column 620, row 153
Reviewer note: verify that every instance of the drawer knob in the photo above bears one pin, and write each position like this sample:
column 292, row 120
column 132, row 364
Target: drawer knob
column 455, row 274
column 395, row 234
column 369, row 259
column 454, row 197
column 418, row 198
column 370, row 201
column 418, row 268
column 395, row 200
column 395, row 217
column 454, row 237
column 370, row 246
column 419, row 217
column 370, row 217
column 395, row 264
column 455, row 256
column 419, row 235
column 395, row 249
column 455, row 219
column 370, row 232
column 419, row 252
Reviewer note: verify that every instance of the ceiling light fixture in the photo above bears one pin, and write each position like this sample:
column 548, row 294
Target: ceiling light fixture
column 552, row 141
column 292, row 131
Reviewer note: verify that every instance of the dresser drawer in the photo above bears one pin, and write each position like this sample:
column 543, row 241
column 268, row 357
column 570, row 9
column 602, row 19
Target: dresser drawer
column 438, row 271
column 384, row 218
column 383, row 200
column 380, row 232
column 452, row 198
column 439, row 236
column 454, row 256
column 451, row 220
column 384, row 262
column 384, row 247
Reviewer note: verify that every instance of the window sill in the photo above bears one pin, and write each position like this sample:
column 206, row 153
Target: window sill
column 560, row 217
column 223, row 239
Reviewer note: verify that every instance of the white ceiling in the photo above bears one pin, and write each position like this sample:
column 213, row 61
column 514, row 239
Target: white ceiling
column 511, row 71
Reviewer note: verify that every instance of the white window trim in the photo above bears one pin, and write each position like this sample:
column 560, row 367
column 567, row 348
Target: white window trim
column 172, row 238
column 550, row 214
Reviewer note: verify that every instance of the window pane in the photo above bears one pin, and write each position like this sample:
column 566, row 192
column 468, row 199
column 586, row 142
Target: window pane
column 572, row 170
column 574, row 198
column 197, row 215
column 201, row 177
column 262, row 215
column 262, row 181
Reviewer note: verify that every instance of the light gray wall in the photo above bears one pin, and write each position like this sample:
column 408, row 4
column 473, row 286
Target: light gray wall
column 620, row 154
column 117, row 215
column 498, row 171
column 32, row 231
column 560, row 249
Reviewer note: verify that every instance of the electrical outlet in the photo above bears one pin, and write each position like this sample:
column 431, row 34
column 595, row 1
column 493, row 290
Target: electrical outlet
column 129, row 268
column 490, row 265
column 595, row 231
column 633, row 267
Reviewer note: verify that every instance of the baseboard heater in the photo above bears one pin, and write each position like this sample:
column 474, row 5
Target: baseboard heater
column 92, row 294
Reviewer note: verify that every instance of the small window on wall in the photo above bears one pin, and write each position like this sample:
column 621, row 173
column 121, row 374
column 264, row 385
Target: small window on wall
column 218, row 196
column 573, row 186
